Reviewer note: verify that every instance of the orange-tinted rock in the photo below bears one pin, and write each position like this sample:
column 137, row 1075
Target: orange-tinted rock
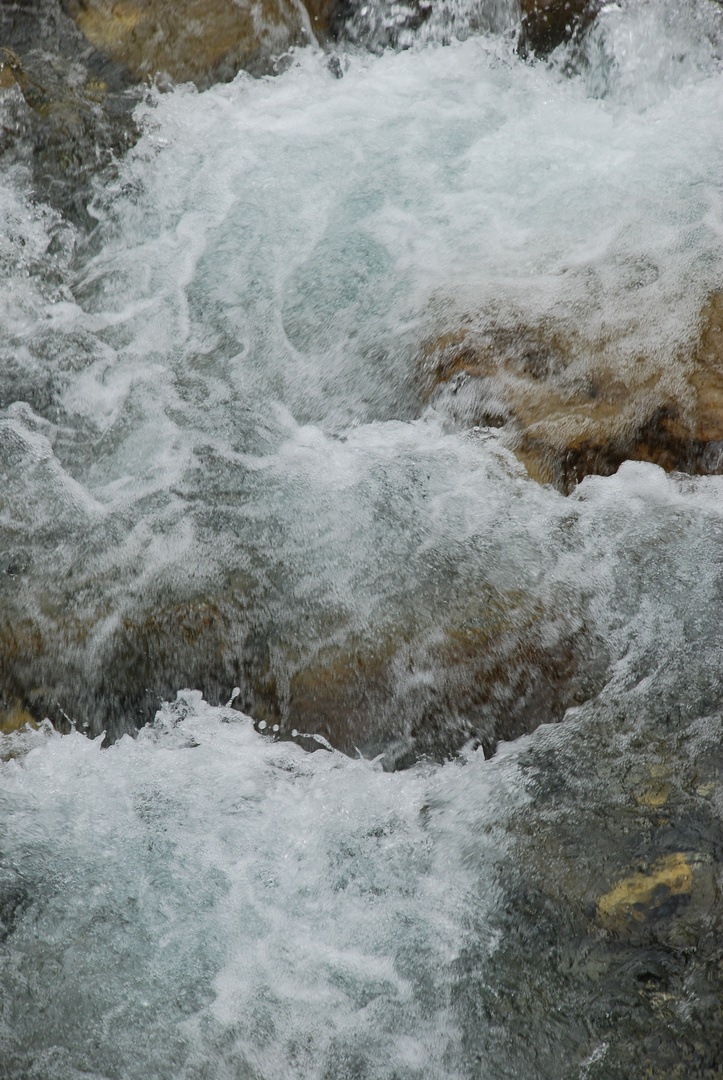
column 10, row 69
column 203, row 41
column 567, row 412
column 547, row 23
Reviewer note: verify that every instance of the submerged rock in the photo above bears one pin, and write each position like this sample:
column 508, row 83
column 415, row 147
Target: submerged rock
column 608, row 940
column 492, row 671
column 15, row 718
column 569, row 411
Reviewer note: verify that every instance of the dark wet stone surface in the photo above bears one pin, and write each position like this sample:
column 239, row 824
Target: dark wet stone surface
column 608, row 960
column 494, row 672
column 548, row 23
column 66, row 108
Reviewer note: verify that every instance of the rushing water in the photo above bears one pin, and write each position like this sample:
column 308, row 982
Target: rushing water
column 213, row 399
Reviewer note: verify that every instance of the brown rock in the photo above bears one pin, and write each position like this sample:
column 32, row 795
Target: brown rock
column 10, row 69
column 568, row 413
column 15, row 718
column 203, row 41
column 492, row 670
column 321, row 13
column 707, row 378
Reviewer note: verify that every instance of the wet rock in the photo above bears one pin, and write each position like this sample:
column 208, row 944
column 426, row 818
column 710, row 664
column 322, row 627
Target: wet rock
column 203, row 41
column 634, row 896
column 102, row 673
column 607, row 960
column 386, row 24
column 491, row 671
column 546, row 24
column 65, row 109
column 14, row 718
column 69, row 75
column 567, row 412
column 322, row 13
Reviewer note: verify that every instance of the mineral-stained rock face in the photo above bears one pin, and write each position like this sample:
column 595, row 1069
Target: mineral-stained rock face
column 615, row 902
column 204, row 41
column 568, row 412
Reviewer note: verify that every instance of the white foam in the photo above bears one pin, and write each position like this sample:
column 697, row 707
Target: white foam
column 275, row 251
column 245, row 905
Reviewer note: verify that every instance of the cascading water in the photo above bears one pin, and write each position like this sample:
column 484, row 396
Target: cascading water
column 219, row 464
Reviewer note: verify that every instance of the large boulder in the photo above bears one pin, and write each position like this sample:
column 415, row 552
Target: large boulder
column 203, row 41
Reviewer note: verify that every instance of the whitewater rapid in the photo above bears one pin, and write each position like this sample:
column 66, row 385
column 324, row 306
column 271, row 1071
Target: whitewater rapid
column 215, row 394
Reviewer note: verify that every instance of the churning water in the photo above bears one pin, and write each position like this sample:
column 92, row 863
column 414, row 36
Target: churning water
column 216, row 394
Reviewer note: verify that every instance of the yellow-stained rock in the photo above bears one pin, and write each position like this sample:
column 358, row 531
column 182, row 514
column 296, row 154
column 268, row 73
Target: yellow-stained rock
column 7, row 78
column 203, row 41
column 707, row 789
column 654, row 796
column 632, row 897
column 11, row 69
column 107, row 26
column 655, row 793
column 15, row 718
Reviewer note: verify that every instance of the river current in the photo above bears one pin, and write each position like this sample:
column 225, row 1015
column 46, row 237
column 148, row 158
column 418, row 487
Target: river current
column 214, row 393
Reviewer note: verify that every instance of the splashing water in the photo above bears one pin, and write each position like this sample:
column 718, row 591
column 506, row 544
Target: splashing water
column 214, row 398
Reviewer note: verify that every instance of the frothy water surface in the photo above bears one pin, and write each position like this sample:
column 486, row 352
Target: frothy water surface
column 220, row 390
column 214, row 400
